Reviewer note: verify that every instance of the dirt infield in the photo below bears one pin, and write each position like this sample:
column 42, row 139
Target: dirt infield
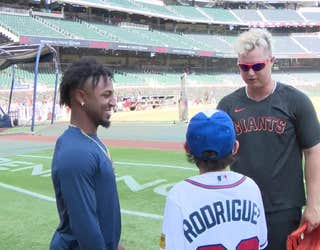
column 160, row 114
column 148, row 129
column 109, row 142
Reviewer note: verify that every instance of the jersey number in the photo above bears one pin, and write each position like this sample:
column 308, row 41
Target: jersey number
column 248, row 244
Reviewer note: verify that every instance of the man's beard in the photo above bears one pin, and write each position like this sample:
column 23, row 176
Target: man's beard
column 105, row 124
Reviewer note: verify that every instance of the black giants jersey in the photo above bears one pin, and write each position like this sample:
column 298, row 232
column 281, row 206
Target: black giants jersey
column 272, row 134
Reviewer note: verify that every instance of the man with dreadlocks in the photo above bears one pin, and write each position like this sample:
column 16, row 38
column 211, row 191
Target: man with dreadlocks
column 82, row 172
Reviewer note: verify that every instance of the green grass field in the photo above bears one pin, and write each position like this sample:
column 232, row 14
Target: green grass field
column 27, row 220
column 143, row 178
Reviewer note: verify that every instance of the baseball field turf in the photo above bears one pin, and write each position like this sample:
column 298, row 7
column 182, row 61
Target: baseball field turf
column 28, row 214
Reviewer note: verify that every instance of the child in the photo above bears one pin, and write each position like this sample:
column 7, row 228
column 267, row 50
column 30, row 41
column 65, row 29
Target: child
column 218, row 209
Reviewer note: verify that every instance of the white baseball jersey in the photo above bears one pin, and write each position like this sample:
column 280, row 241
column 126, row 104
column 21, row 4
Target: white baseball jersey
column 214, row 211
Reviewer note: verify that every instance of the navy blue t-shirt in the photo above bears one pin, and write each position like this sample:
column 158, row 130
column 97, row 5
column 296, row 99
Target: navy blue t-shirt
column 86, row 194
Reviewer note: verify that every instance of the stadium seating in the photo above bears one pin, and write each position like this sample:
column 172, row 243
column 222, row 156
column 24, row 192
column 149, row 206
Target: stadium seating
column 311, row 43
column 220, row 15
column 312, row 16
column 278, row 15
column 188, row 12
column 25, row 77
column 213, row 43
column 26, row 25
column 286, row 45
column 77, row 29
column 248, row 15
column 201, row 14
column 125, row 4
column 283, row 46
column 124, row 35
column 158, row 10
column 135, row 79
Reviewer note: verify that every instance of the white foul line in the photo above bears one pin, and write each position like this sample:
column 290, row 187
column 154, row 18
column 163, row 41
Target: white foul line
column 140, row 214
column 139, row 164
column 27, row 192
column 48, row 198
column 136, row 164
column 36, row 156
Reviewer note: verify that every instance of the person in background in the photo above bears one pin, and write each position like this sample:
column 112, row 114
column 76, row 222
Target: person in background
column 276, row 125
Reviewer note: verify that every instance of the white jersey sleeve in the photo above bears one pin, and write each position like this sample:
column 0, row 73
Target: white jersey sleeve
column 172, row 233
column 263, row 232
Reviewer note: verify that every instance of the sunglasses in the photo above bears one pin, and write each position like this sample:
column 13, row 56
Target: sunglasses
column 254, row 66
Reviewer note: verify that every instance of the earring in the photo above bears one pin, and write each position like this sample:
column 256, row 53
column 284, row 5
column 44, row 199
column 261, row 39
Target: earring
column 82, row 104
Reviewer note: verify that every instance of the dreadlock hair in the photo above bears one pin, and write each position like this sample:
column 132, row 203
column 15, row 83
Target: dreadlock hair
column 209, row 164
column 78, row 73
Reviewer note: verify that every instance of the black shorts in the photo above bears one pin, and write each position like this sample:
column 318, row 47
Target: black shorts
column 280, row 224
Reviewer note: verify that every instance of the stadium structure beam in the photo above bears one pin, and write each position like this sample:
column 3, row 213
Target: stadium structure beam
column 55, row 60
column 11, row 88
column 35, row 83
column 36, row 69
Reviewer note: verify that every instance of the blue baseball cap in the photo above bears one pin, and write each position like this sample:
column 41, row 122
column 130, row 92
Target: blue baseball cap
column 211, row 130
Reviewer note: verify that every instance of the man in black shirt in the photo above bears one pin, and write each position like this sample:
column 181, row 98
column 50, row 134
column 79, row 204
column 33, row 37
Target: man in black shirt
column 276, row 125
